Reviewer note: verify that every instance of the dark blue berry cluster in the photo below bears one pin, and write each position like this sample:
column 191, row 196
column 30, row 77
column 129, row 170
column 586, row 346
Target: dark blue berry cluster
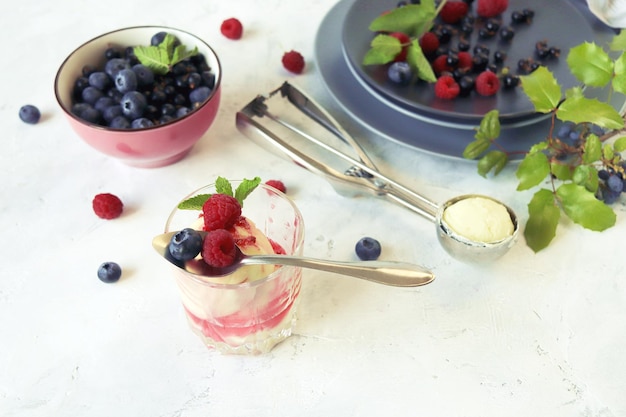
column 125, row 94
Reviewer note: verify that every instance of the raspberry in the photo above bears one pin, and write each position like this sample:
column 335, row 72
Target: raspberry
column 491, row 8
column 447, row 88
column 440, row 65
column 487, row 83
column 293, row 61
column 278, row 184
column 107, row 206
column 232, row 28
column 465, row 60
column 429, row 42
column 453, row 11
column 220, row 211
column 219, row 249
column 405, row 40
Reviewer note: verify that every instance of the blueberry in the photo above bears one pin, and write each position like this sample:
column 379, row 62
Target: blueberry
column 112, row 53
column 133, row 104
column 145, row 76
column 168, row 109
column 186, row 244
column 126, row 80
column 368, row 249
column 103, row 102
column 111, row 113
column 141, row 123
column 29, row 114
column 182, row 111
column 199, row 95
column 115, row 65
column 99, row 80
column 615, row 183
column 400, row 73
column 109, row 272
column 208, row 79
column 157, row 38
column 91, row 94
column 466, row 85
column 91, row 114
column 119, row 122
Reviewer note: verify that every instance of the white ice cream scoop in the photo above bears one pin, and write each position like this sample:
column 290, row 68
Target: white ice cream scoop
column 611, row 12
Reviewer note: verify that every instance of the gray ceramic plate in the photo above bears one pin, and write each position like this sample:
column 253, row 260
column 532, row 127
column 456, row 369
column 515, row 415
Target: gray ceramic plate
column 385, row 121
column 558, row 22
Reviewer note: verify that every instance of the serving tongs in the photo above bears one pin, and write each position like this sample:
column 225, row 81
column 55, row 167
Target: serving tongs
column 291, row 135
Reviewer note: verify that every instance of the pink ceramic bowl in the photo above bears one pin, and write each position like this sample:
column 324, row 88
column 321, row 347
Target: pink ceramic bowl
column 150, row 147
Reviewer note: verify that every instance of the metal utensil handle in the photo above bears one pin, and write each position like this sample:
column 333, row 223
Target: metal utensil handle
column 397, row 274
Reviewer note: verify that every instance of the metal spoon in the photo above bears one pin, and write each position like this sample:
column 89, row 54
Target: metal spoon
column 398, row 274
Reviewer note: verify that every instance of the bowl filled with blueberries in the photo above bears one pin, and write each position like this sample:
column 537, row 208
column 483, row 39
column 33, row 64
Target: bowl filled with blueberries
column 144, row 95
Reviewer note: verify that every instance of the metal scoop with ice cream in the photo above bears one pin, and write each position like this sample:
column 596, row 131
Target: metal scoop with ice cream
column 277, row 134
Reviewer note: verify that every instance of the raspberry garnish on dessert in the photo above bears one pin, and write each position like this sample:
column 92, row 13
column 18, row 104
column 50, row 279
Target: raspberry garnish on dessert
column 220, row 211
column 219, row 249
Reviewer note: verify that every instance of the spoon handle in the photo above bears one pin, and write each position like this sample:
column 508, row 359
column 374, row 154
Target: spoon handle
column 397, row 274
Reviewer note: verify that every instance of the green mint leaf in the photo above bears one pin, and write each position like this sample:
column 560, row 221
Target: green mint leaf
column 620, row 144
column 619, row 77
column 161, row 58
column 542, row 89
column 618, row 43
column 418, row 61
column 384, row 49
column 223, row 186
column 580, row 109
column 590, row 64
column 543, row 219
column 412, row 19
column 245, row 188
column 153, row 57
column 584, row 208
column 194, row 203
column 593, row 149
column 532, row 170
column 494, row 160
column 586, row 176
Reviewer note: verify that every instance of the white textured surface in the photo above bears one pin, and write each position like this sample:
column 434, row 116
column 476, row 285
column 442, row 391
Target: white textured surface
column 532, row 335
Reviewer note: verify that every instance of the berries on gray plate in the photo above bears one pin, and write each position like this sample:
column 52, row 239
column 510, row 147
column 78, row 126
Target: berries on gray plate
column 30, row 114
column 109, row 272
column 186, row 244
column 368, row 249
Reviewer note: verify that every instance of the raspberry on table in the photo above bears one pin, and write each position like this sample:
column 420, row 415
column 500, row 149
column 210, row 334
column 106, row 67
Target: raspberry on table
column 107, row 206
column 219, row 249
column 232, row 28
column 453, row 11
column 220, row 211
column 487, row 83
column 447, row 88
column 293, row 61
column 278, row 184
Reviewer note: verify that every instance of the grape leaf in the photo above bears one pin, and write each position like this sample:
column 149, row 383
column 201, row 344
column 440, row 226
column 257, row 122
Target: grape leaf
column 590, row 64
column 619, row 77
column 416, row 59
column 384, row 49
column 543, row 219
column 561, row 171
column 584, row 208
column 488, row 131
column 542, row 89
column 620, row 144
column 476, row 148
column 532, row 170
column 494, row 160
column 581, row 109
column 593, row 149
column 618, row 43
column 587, row 176
column 608, row 152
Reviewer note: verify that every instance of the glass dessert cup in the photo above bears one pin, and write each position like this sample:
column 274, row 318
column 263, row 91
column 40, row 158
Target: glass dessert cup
column 250, row 317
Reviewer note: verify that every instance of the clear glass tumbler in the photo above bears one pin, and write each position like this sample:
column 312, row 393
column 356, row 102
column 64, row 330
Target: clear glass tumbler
column 248, row 317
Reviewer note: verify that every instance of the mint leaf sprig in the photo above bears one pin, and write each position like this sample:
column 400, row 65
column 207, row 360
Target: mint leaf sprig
column 222, row 186
column 413, row 20
column 571, row 168
column 162, row 57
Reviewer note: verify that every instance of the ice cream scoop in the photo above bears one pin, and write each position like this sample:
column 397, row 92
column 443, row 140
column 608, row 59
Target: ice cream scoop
column 399, row 274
